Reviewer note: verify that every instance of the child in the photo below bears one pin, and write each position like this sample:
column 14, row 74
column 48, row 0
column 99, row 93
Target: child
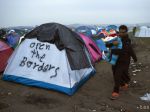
column 120, row 69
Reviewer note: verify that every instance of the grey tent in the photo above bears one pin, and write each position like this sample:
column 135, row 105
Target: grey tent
column 63, row 38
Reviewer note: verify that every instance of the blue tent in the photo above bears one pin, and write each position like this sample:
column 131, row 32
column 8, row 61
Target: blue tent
column 85, row 30
column 109, row 27
column 100, row 29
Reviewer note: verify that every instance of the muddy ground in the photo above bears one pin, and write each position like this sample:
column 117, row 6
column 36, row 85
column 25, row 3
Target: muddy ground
column 93, row 96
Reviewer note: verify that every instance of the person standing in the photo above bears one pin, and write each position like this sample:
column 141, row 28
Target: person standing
column 120, row 69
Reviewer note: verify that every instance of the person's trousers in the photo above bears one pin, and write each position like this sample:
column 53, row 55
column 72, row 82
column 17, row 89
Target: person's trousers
column 121, row 76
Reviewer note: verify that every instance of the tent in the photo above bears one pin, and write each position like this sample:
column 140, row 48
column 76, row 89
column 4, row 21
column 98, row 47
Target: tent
column 5, row 53
column 103, row 33
column 93, row 31
column 84, row 30
column 109, row 27
column 94, row 51
column 113, row 33
column 99, row 29
column 46, row 59
column 143, row 31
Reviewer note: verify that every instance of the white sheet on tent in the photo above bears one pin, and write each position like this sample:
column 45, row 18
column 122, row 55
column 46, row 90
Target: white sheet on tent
column 42, row 61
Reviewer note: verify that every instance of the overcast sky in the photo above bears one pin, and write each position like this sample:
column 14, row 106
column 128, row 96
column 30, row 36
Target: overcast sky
column 36, row 12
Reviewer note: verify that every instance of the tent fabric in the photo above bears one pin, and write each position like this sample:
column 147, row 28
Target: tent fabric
column 110, row 27
column 43, row 65
column 94, row 51
column 63, row 38
column 5, row 53
column 93, row 30
column 144, row 31
column 100, row 43
column 104, row 32
column 100, row 28
column 84, row 30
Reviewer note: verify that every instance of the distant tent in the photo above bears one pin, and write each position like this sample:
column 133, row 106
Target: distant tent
column 99, row 29
column 84, row 30
column 53, row 57
column 109, row 31
column 112, row 33
column 5, row 53
column 109, row 27
column 94, row 51
column 144, row 31
column 93, row 31
column 103, row 33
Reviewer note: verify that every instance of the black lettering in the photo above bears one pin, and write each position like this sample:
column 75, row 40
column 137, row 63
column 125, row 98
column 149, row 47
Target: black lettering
column 23, row 61
column 37, row 45
column 45, row 68
column 41, row 67
column 47, row 47
column 42, row 57
column 37, row 54
column 41, row 47
column 51, row 67
column 33, row 53
column 29, row 63
column 35, row 65
column 32, row 45
column 55, row 73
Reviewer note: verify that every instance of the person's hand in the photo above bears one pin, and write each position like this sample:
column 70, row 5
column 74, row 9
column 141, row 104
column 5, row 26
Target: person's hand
column 115, row 43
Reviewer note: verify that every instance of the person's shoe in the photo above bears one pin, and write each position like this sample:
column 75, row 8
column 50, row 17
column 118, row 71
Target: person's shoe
column 125, row 87
column 114, row 96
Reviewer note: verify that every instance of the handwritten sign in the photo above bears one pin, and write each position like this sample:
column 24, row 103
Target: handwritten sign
column 40, row 65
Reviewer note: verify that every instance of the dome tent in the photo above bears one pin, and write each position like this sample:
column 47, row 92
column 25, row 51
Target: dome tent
column 51, row 60
column 93, row 49
column 143, row 31
column 85, row 30
column 109, row 27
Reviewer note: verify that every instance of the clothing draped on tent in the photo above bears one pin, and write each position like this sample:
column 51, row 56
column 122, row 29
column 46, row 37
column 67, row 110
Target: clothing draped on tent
column 63, row 38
